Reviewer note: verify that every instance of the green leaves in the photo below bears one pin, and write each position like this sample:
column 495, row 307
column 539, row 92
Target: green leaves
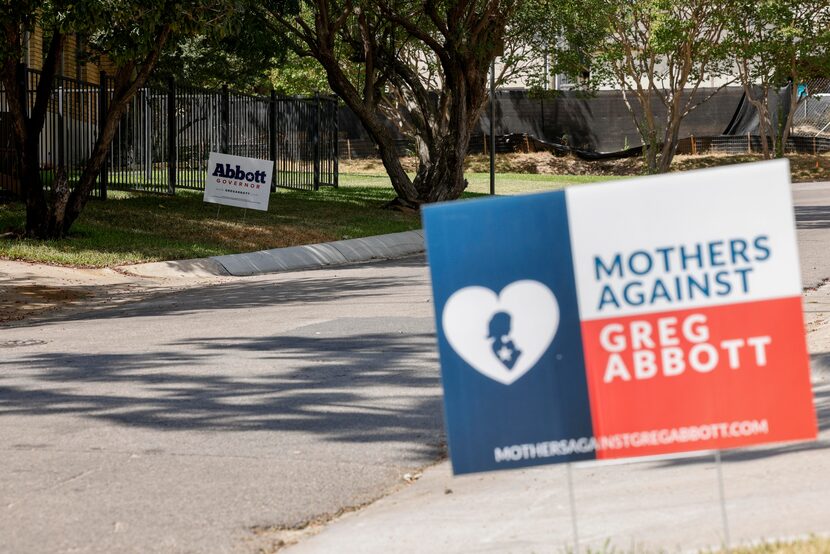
column 653, row 51
column 239, row 52
column 124, row 30
column 779, row 40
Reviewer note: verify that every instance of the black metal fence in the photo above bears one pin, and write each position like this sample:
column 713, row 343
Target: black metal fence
column 748, row 144
column 69, row 130
column 168, row 132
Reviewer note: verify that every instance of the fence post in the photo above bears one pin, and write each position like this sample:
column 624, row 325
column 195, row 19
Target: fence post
column 103, row 108
column 61, row 128
column 148, row 136
column 224, row 117
column 272, row 136
column 172, row 136
column 23, row 86
column 315, row 140
column 336, row 112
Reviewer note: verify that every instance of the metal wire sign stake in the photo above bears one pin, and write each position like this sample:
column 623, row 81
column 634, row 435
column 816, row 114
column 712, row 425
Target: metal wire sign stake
column 722, row 494
column 573, row 507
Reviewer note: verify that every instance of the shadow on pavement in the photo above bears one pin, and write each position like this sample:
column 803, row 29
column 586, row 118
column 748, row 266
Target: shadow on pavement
column 253, row 292
column 360, row 388
column 812, row 217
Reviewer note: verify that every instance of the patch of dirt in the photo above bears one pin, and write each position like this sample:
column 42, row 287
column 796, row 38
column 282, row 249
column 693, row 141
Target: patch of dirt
column 29, row 291
column 16, row 302
column 269, row 540
column 545, row 163
column 272, row 539
column 805, row 167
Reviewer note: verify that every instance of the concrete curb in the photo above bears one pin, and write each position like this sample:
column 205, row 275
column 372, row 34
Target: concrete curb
column 293, row 258
column 321, row 255
column 200, row 267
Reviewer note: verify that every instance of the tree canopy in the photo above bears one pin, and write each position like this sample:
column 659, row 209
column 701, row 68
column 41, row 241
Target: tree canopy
column 418, row 66
column 132, row 34
column 240, row 52
column 657, row 52
column 776, row 43
column 428, row 60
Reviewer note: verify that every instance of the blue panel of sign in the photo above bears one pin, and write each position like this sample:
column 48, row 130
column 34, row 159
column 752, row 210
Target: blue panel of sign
column 508, row 331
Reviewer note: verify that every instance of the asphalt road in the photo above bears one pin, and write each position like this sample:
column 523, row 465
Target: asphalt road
column 205, row 420
column 180, row 423
column 812, row 213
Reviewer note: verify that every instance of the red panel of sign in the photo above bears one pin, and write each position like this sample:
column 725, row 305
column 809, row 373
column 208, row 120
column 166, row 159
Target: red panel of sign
column 708, row 378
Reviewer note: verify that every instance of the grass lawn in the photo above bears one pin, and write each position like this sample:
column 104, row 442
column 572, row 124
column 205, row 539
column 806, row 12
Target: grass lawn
column 813, row 545
column 479, row 183
column 134, row 227
column 519, row 183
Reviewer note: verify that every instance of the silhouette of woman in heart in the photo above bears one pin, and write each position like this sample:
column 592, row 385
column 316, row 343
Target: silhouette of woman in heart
column 502, row 345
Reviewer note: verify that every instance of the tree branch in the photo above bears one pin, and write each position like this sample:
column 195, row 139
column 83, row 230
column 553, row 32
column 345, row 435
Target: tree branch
column 45, row 84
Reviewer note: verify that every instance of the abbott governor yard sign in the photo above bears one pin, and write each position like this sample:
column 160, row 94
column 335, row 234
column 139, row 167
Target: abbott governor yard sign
column 642, row 317
column 238, row 181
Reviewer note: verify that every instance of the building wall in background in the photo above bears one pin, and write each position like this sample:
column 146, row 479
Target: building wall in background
column 73, row 63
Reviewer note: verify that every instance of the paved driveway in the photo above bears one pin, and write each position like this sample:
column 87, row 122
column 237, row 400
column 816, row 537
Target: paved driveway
column 179, row 423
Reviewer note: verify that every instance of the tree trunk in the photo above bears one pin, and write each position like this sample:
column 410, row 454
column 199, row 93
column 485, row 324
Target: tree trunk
column 44, row 214
column 765, row 130
column 441, row 152
column 669, row 148
column 671, row 136
column 786, row 126
column 374, row 123
column 440, row 174
column 442, row 177
column 646, row 126
column 36, row 208
column 407, row 195
column 650, row 147
column 80, row 195
column 67, row 205
column 27, row 124
column 460, row 39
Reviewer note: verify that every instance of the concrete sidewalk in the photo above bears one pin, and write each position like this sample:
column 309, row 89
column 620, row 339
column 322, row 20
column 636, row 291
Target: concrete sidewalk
column 666, row 506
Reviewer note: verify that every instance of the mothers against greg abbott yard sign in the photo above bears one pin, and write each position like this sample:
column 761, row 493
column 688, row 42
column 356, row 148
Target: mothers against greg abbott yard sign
column 238, row 181
column 642, row 317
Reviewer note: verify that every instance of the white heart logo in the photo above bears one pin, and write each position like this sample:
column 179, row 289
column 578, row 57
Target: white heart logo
column 502, row 336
